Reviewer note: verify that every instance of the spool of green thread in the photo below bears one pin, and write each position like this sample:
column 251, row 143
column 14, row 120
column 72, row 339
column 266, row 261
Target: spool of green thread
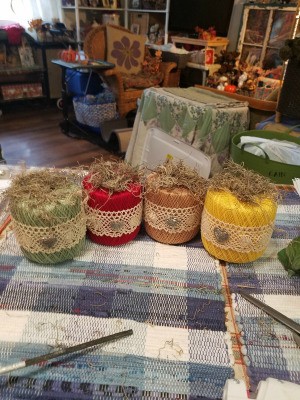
column 47, row 199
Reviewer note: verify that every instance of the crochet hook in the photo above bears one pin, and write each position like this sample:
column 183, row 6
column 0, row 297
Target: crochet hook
column 283, row 319
column 62, row 352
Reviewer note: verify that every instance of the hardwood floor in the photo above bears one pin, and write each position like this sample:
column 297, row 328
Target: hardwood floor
column 31, row 132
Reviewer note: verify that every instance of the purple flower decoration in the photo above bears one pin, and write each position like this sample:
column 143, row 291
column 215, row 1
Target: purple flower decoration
column 126, row 53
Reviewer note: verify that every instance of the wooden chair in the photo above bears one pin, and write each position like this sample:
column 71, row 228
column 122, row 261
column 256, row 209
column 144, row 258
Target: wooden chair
column 95, row 47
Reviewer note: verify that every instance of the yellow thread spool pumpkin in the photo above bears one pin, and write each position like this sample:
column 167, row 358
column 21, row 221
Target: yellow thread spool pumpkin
column 236, row 231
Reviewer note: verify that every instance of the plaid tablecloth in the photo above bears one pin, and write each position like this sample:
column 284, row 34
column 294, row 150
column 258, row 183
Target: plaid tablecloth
column 192, row 331
column 264, row 347
column 170, row 296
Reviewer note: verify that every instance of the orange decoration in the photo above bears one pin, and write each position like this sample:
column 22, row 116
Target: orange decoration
column 230, row 88
column 69, row 55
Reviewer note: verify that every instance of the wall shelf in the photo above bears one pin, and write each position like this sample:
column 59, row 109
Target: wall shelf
column 79, row 17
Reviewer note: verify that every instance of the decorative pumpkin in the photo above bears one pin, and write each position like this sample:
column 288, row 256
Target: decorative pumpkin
column 230, row 88
column 47, row 215
column 68, row 55
column 114, row 207
column 173, row 203
column 235, row 231
column 237, row 227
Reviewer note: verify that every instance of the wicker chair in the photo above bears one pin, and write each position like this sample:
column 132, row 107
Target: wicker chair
column 95, row 48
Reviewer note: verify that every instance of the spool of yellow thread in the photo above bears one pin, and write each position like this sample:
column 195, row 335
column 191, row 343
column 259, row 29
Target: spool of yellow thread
column 236, row 231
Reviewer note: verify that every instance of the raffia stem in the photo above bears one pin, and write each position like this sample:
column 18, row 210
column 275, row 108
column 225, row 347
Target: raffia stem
column 246, row 185
column 177, row 174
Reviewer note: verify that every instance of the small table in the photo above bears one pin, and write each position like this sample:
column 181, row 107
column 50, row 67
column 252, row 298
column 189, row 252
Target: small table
column 218, row 44
column 67, row 125
column 199, row 118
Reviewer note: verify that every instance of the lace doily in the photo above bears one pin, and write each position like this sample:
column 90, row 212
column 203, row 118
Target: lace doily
column 172, row 220
column 228, row 236
column 49, row 240
column 114, row 223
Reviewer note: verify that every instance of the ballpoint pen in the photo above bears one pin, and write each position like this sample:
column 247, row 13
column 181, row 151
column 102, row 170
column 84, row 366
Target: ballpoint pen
column 283, row 319
column 62, row 352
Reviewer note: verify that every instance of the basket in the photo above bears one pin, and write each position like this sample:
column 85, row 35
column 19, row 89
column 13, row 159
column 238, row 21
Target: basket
column 289, row 99
column 278, row 172
column 90, row 112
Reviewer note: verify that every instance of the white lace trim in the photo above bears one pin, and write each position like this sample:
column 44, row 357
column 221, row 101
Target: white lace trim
column 228, row 236
column 114, row 223
column 172, row 220
column 49, row 240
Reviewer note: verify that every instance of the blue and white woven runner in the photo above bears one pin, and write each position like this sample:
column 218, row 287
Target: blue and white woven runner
column 268, row 347
column 170, row 296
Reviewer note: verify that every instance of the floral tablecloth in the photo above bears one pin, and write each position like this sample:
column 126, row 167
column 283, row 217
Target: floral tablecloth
column 204, row 120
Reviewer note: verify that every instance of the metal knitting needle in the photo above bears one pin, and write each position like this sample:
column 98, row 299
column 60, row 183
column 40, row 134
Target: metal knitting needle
column 62, row 352
column 283, row 319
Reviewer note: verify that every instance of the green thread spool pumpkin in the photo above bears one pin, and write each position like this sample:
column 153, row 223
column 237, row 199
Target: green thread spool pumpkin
column 47, row 215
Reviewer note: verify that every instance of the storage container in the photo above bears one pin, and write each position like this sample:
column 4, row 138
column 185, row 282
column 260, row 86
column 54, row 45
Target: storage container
column 279, row 173
column 80, row 83
column 180, row 59
column 91, row 110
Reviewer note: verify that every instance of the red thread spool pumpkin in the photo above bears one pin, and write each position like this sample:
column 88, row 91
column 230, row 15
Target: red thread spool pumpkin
column 113, row 219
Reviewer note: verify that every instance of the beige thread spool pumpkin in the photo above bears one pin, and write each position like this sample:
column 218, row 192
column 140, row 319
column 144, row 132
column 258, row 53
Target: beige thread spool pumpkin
column 171, row 215
column 236, row 231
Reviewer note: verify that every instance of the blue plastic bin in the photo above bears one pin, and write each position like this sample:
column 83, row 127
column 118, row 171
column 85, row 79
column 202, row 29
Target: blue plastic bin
column 78, row 82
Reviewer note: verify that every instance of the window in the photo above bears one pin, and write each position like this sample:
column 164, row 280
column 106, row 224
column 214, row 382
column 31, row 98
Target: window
column 22, row 11
column 264, row 30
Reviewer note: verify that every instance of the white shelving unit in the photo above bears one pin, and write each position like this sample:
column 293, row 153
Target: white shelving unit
column 78, row 15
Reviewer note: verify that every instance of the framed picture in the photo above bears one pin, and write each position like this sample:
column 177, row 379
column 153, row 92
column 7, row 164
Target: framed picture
column 26, row 56
column 2, row 54
column 135, row 4
column 209, row 56
column 135, row 28
column 141, row 19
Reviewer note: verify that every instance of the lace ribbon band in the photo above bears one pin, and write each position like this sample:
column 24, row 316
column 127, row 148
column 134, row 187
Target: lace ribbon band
column 172, row 220
column 228, row 236
column 114, row 223
column 49, row 240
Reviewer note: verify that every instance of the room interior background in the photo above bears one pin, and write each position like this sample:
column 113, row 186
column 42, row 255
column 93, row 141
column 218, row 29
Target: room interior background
column 23, row 11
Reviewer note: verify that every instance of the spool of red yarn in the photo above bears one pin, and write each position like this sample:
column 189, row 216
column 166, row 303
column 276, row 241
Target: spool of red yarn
column 113, row 219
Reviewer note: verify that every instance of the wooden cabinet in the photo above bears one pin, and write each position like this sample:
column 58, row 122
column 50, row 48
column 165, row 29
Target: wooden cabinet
column 137, row 15
column 21, row 77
